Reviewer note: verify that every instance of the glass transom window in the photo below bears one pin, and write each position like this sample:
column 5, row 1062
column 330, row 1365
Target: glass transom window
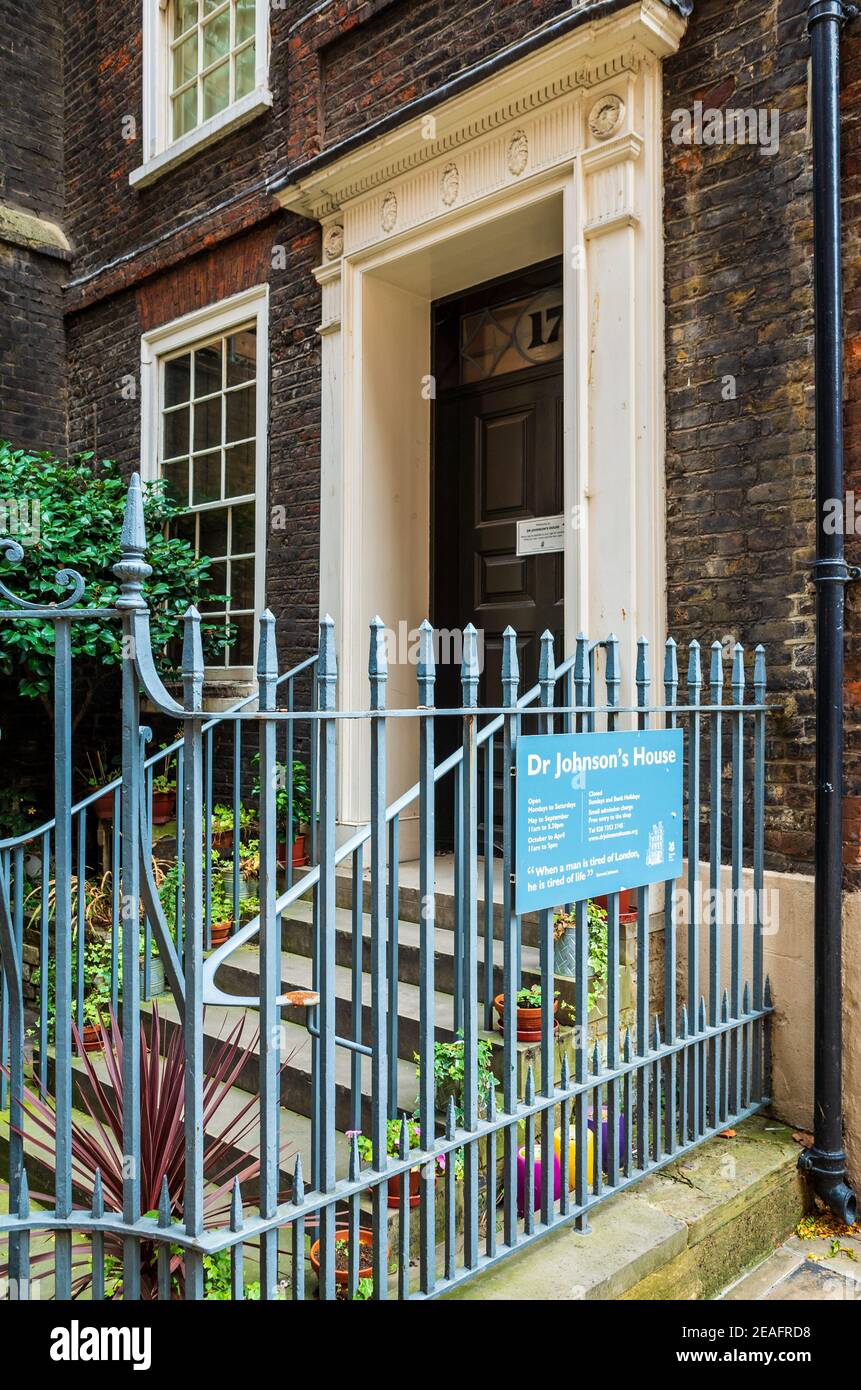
column 212, row 59
column 208, row 455
column 524, row 333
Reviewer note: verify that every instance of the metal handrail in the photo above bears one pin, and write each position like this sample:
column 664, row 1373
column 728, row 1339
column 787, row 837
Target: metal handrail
column 211, row 993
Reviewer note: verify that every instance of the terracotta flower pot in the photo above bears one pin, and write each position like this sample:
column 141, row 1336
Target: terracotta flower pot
column 163, row 807
column 103, row 806
column 627, row 901
column 394, row 1193
column 342, row 1276
column 222, row 840
column 92, row 1037
column 219, row 932
column 298, row 857
column 528, row 1020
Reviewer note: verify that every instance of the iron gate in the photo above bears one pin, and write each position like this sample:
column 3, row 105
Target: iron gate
column 533, row 1138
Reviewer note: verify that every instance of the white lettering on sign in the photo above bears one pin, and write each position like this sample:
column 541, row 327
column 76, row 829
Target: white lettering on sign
column 539, row 534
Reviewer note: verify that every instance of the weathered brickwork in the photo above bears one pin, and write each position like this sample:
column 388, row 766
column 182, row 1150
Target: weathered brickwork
column 32, row 348
column 738, row 273
column 740, row 460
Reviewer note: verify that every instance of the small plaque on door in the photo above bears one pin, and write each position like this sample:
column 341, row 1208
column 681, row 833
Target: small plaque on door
column 540, row 534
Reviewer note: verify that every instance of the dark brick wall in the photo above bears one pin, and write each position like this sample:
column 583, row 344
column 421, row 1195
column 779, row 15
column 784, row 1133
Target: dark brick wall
column 740, row 472
column 32, row 350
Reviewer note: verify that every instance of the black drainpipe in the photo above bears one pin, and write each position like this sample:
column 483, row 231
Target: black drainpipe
column 825, row 1162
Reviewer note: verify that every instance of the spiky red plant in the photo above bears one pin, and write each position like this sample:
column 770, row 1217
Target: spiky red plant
column 162, row 1146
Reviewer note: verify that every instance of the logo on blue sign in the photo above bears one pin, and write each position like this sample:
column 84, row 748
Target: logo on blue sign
column 596, row 813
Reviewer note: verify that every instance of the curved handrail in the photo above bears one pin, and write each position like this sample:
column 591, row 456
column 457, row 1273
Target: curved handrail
column 161, row 754
column 211, row 993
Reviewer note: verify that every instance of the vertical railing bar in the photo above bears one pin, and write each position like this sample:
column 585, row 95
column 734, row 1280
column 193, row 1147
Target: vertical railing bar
column 115, row 903
column 356, row 1003
column 97, row 1207
column 290, row 829
column 547, row 683
column 270, row 957
column 468, row 846
column 737, row 858
column 207, row 846
column 353, row 1248
column 378, row 676
column 298, row 1234
column 510, row 968
column 426, row 675
column 613, row 684
column 4, row 1003
column 488, row 881
column 404, row 1216
column 63, row 948
column 80, row 916
column 44, row 951
column 759, row 691
column 643, row 965
column 194, row 835
column 146, row 835
column 581, row 972
column 715, row 883
column 671, row 690
column 694, row 689
column 180, row 857
column 458, row 1003
column 237, row 816
column 393, row 963
column 237, row 1221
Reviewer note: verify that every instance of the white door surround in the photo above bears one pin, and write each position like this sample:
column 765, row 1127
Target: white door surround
column 559, row 155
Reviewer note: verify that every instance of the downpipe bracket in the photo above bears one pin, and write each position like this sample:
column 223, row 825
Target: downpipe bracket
column 827, row 1174
column 834, row 572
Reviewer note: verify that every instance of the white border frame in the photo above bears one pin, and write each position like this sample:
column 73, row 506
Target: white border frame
column 184, row 332
column 161, row 154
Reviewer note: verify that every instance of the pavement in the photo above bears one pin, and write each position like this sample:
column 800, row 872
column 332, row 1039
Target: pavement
column 820, row 1262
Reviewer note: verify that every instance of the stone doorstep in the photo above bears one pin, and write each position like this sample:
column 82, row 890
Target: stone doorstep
column 683, row 1233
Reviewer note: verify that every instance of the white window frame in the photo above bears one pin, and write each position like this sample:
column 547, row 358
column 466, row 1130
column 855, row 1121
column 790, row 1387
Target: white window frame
column 250, row 306
column 160, row 152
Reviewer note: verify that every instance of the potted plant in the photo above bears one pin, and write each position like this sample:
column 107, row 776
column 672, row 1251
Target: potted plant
column 301, row 807
column 449, row 1075
column 564, row 947
column 528, row 1001
column 220, row 913
column 222, row 826
column 393, row 1141
column 97, row 774
column 163, row 806
column 249, row 870
column 342, row 1258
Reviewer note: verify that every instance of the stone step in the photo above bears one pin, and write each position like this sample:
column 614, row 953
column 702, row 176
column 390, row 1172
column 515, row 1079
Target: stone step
column 296, row 1073
column 296, row 938
column 682, row 1233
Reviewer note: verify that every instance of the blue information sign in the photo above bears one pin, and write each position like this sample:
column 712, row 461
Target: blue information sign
column 596, row 813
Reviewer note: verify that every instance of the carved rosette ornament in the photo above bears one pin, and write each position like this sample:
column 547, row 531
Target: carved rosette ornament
column 450, row 184
column 606, row 116
column 518, row 153
column 389, row 212
column 333, row 242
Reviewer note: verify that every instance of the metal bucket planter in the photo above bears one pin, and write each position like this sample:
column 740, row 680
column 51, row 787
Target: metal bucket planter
column 156, row 976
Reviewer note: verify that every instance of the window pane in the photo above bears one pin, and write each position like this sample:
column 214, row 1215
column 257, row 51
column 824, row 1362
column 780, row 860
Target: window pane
column 241, row 357
column 240, row 414
column 216, row 90
column 176, row 476
column 185, row 13
column 184, row 528
column 239, row 476
column 242, row 649
column 244, row 20
column 176, row 432
column 185, row 60
column 206, row 480
column 213, row 532
column 242, row 537
column 245, row 72
column 242, row 584
column 209, row 6
column 207, row 370
column 216, row 38
column 185, row 112
column 207, row 424
column 217, row 588
column 177, row 379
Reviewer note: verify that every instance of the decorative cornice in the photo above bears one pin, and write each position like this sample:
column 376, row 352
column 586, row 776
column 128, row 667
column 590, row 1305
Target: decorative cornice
column 581, row 60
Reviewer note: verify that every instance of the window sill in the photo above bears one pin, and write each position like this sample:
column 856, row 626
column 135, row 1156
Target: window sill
column 239, row 114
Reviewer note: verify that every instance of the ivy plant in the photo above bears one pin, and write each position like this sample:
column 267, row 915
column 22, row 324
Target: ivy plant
column 76, row 512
